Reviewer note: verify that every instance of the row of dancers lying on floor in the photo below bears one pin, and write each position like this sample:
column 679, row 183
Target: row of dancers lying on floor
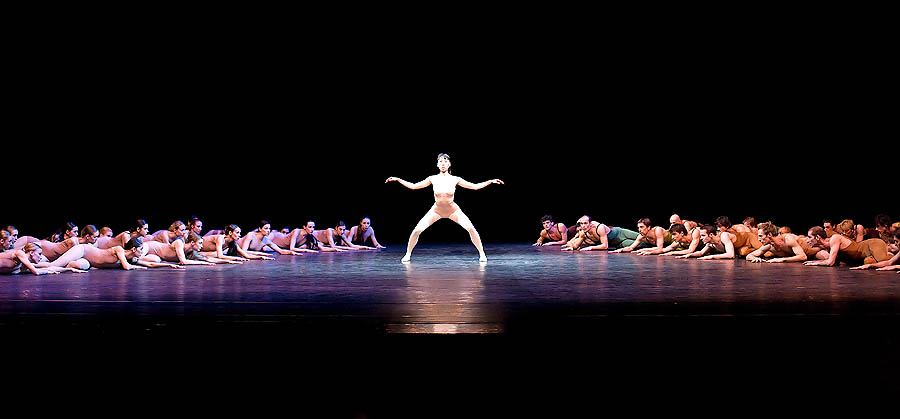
column 180, row 245
column 827, row 245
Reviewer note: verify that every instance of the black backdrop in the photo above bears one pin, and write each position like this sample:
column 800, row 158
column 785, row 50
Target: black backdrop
column 235, row 130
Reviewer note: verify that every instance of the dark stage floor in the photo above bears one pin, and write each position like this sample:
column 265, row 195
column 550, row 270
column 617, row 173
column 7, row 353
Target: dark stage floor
column 646, row 320
column 522, row 289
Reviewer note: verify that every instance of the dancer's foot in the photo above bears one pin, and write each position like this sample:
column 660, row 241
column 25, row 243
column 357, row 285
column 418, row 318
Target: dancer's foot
column 483, row 258
column 405, row 259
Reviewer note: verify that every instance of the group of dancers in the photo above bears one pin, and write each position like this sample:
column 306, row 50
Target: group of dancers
column 77, row 250
column 827, row 245
column 182, row 244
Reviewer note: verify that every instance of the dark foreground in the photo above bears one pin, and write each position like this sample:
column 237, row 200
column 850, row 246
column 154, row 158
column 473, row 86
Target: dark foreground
column 445, row 333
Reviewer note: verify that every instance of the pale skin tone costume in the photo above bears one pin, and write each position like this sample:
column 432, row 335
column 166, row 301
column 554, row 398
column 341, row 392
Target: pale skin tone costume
column 444, row 189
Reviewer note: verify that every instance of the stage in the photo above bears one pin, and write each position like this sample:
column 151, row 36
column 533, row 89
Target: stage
column 618, row 320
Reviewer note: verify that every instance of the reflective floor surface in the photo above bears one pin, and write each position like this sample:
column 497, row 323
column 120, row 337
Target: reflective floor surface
column 443, row 290
column 620, row 321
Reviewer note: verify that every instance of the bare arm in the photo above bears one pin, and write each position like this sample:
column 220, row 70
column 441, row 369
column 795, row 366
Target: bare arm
column 698, row 253
column 695, row 241
column 835, row 242
column 636, row 243
column 476, row 186
column 179, row 250
column 420, row 185
column 604, row 244
column 562, row 232
column 120, row 253
column 375, row 242
column 729, row 249
column 23, row 258
column 756, row 255
column 881, row 265
column 799, row 254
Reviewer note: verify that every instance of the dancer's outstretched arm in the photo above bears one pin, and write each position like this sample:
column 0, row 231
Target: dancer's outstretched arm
column 423, row 184
column 476, row 186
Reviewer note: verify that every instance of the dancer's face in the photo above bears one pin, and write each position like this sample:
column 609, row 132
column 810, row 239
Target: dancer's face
column 236, row 234
column 705, row 237
column 144, row 230
column 365, row 223
column 812, row 240
column 548, row 225
column 265, row 230
column 443, row 164
column 310, row 227
column 71, row 233
column 197, row 245
column 339, row 230
column 643, row 229
column 35, row 255
column 198, row 227
column 92, row 238
column 182, row 231
column 583, row 223
column 135, row 253
column 764, row 238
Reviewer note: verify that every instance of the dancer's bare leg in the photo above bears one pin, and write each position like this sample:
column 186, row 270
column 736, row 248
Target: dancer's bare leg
column 430, row 218
column 464, row 221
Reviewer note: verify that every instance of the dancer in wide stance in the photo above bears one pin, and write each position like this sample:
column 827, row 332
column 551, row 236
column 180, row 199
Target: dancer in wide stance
column 444, row 189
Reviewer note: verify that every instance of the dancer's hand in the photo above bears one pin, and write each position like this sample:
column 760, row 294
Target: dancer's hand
column 392, row 179
column 496, row 181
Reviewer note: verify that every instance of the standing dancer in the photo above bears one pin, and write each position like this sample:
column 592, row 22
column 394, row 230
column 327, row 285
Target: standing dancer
column 444, row 189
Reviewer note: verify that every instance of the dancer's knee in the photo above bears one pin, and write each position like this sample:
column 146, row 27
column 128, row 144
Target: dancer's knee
column 82, row 264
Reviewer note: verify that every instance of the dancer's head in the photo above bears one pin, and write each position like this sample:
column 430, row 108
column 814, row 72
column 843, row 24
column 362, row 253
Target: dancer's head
column 894, row 245
column 264, row 227
column 750, row 222
column 13, row 232
column 584, row 222
column 106, row 232
column 134, row 249
column 141, row 228
column 817, row 237
column 310, row 226
column 5, row 243
column 195, row 225
column 882, row 222
column 233, row 231
column 68, row 230
column 90, row 234
column 178, row 229
column 547, row 222
column 723, row 223
column 34, row 251
column 340, row 227
column 708, row 233
column 443, row 163
column 194, row 241
column 365, row 223
column 675, row 219
column 643, row 226
column 766, row 232
column 846, row 228
column 678, row 232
